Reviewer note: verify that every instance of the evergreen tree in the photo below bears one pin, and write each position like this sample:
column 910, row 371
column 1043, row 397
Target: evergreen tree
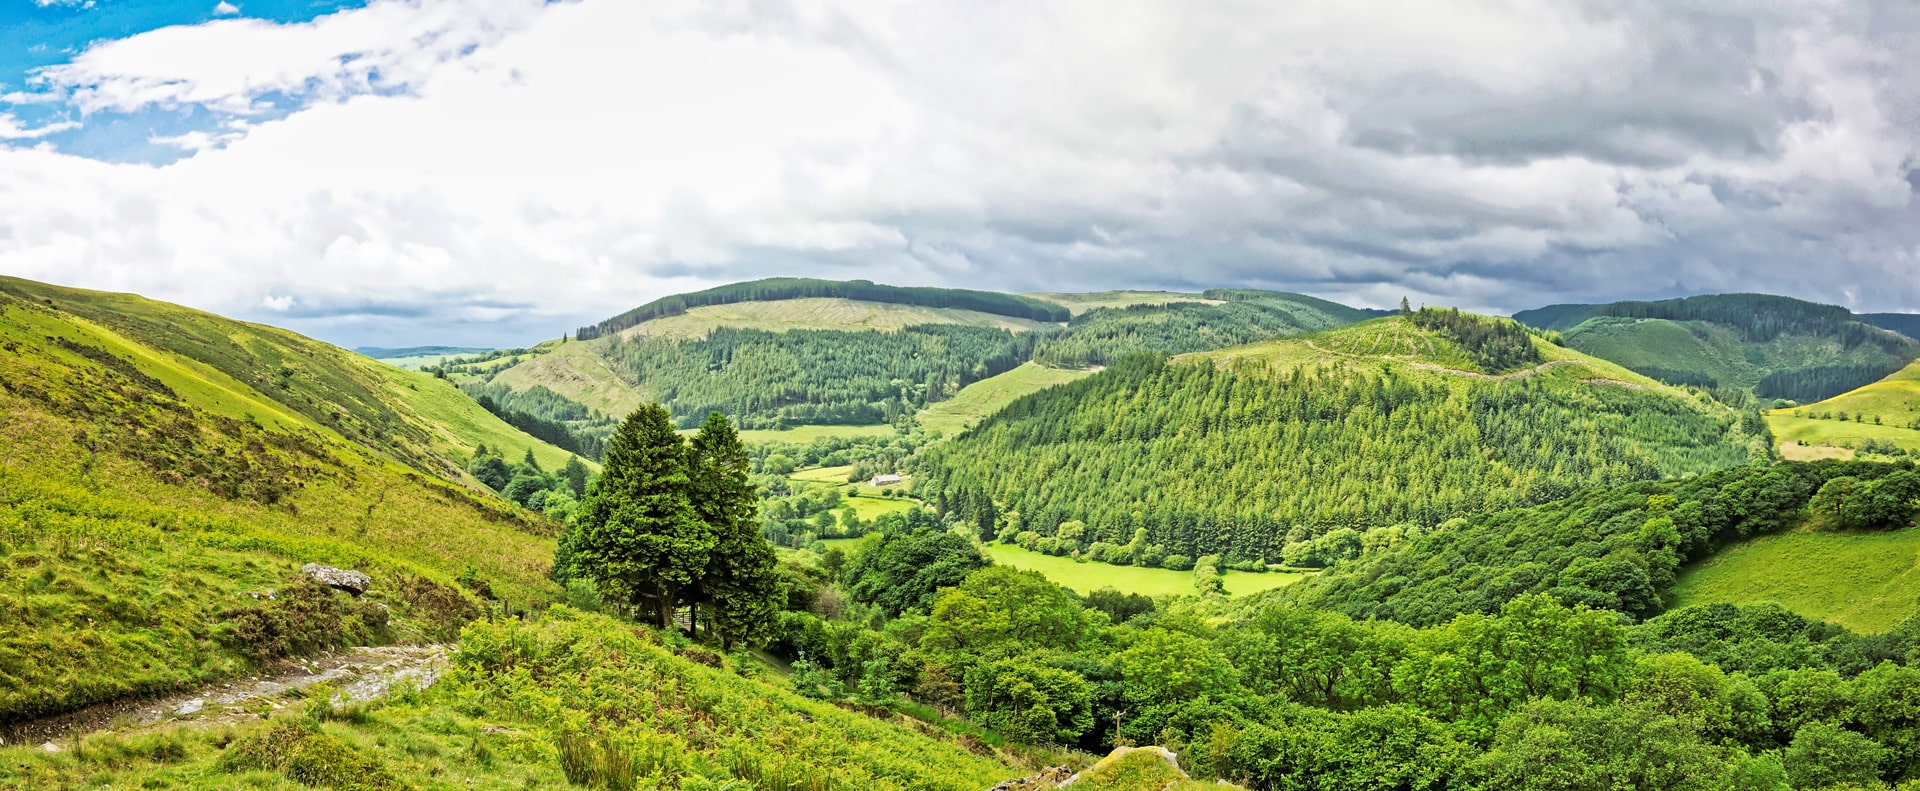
column 638, row 536
column 739, row 584
column 575, row 474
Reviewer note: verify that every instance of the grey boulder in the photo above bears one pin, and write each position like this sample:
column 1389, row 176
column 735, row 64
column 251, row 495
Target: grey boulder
column 352, row 582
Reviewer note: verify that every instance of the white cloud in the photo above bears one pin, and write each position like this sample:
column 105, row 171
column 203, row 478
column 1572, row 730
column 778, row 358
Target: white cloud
column 497, row 162
column 225, row 9
column 12, row 129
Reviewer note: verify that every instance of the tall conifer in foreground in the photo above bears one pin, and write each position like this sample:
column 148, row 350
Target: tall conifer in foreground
column 739, row 584
column 638, row 536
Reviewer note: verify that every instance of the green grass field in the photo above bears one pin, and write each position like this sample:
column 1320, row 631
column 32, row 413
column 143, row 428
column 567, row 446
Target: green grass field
column 1083, row 302
column 1865, row 581
column 828, row 475
column 978, row 400
column 1089, row 577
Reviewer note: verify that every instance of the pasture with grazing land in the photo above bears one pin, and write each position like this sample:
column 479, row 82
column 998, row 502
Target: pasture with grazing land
column 1091, row 576
column 1867, row 582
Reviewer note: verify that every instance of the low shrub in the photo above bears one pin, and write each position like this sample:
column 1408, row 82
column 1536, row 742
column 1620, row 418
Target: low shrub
column 300, row 750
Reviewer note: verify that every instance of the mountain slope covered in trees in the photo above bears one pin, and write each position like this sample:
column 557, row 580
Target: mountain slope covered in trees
column 1618, row 547
column 1774, row 347
column 1297, row 450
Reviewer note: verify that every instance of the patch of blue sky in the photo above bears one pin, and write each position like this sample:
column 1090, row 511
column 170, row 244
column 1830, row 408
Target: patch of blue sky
column 35, row 34
column 40, row 33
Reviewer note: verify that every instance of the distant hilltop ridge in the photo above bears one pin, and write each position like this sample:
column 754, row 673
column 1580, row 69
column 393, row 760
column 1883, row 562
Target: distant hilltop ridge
column 778, row 288
column 382, row 353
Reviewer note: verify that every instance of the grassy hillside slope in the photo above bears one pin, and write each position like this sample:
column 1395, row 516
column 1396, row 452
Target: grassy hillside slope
column 978, row 400
column 236, row 369
column 1883, row 418
column 1775, row 347
column 1081, row 302
column 574, row 700
column 142, row 490
column 1867, row 582
column 1253, row 452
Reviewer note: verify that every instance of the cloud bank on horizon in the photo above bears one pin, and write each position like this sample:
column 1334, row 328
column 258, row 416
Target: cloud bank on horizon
column 493, row 171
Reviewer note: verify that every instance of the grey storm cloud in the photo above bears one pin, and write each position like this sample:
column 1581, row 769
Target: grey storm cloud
column 528, row 167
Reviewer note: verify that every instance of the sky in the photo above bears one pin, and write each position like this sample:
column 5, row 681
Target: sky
column 495, row 172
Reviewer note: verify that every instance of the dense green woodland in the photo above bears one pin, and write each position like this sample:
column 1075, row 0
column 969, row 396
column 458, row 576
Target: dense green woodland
column 1534, row 695
column 1103, row 335
column 1611, row 547
column 778, row 288
column 1248, row 460
column 778, row 379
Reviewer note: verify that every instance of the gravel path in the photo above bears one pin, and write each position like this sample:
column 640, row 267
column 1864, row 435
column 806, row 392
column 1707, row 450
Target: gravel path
column 356, row 674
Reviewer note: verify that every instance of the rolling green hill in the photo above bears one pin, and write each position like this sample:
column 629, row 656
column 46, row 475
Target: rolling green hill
column 789, row 352
column 1881, row 418
column 789, row 288
column 1774, row 347
column 1258, row 452
column 156, row 462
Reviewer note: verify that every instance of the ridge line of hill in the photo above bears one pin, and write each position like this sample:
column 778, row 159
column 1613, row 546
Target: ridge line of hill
column 779, row 288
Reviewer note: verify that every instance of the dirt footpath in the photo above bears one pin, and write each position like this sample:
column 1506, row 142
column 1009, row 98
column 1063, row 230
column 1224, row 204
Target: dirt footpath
column 356, row 675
